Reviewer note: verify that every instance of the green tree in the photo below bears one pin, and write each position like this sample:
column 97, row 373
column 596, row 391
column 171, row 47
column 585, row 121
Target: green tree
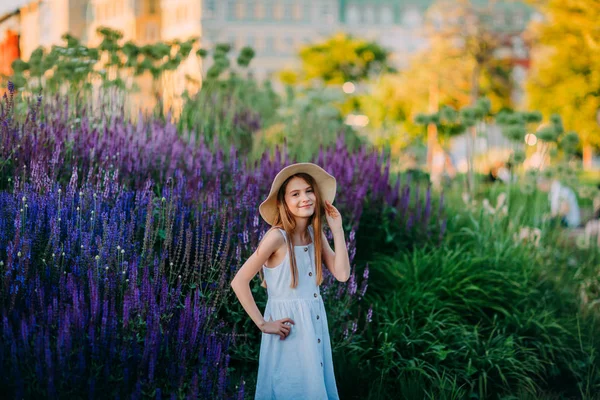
column 565, row 76
column 341, row 58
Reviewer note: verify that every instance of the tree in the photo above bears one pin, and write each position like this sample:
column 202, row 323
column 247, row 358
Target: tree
column 458, row 67
column 467, row 30
column 565, row 76
column 341, row 58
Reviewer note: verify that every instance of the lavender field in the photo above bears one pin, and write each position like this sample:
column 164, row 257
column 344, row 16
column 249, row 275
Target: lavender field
column 118, row 241
column 119, row 237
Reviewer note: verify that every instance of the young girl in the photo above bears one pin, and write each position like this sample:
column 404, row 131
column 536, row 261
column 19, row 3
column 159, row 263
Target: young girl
column 295, row 352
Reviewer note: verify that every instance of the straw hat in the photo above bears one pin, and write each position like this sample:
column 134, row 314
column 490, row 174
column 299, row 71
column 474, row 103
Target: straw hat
column 325, row 182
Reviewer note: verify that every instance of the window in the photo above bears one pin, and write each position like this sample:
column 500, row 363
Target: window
column 412, row 18
column 287, row 10
column 307, row 10
column 268, row 9
column 259, row 10
column 240, row 10
column 231, row 9
column 297, row 11
column 369, row 15
column 184, row 13
column 353, row 16
column 251, row 41
column 210, row 10
column 151, row 31
column 327, row 13
column 260, row 45
column 250, row 9
column 289, row 44
column 270, row 45
column 278, row 10
column 240, row 42
column 152, row 6
column 278, row 44
column 386, row 16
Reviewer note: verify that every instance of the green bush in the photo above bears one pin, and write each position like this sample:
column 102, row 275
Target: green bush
column 484, row 315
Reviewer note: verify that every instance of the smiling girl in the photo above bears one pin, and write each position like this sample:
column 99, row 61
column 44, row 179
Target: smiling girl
column 295, row 353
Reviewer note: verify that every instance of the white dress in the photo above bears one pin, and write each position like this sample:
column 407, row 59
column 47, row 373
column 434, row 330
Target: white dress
column 301, row 366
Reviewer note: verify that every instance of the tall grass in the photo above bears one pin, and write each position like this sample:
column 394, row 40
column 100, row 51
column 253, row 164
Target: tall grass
column 487, row 314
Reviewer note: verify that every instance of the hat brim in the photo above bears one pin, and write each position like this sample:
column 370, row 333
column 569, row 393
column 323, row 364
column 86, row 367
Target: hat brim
column 326, row 183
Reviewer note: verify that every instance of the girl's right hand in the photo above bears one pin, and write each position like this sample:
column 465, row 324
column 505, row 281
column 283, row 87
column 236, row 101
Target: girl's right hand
column 278, row 327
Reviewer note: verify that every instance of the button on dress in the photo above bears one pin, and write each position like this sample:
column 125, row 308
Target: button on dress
column 301, row 366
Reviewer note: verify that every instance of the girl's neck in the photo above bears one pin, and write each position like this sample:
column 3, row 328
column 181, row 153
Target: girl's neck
column 301, row 234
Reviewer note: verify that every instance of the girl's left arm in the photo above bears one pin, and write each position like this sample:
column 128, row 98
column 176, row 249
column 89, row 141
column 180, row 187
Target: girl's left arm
column 337, row 262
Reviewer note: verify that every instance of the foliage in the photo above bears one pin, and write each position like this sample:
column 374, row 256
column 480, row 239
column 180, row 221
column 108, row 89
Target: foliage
column 75, row 66
column 464, row 36
column 490, row 313
column 340, row 58
column 565, row 75
column 254, row 118
column 450, row 122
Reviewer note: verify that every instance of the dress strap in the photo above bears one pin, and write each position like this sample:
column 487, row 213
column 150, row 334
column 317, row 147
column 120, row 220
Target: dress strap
column 283, row 233
column 310, row 231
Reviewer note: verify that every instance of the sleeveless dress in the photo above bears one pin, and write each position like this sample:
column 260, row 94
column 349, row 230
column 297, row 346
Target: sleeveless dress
column 301, row 366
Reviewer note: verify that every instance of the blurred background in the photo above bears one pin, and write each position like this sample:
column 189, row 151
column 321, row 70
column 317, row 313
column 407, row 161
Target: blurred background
column 464, row 136
column 383, row 61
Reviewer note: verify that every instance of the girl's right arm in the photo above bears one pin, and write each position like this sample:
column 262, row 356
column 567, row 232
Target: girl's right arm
column 240, row 284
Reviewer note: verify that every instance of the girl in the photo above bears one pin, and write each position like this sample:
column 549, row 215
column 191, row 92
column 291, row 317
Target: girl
column 295, row 351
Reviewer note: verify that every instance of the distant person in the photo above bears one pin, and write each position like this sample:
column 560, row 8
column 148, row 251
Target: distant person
column 500, row 171
column 563, row 202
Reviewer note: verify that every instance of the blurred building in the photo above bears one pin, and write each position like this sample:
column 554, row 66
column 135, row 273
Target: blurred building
column 138, row 20
column 397, row 26
column 43, row 23
column 9, row 41
column 38, row 23
column 145, row 22
column 277, row 28
column 274, row 29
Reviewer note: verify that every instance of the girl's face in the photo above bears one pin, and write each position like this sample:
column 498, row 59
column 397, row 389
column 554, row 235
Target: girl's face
column 300, row 198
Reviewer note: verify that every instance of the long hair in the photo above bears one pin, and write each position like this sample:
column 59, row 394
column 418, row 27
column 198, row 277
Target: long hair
column 285, row 220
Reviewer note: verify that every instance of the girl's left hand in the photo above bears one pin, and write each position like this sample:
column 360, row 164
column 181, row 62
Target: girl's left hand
column 334, row 219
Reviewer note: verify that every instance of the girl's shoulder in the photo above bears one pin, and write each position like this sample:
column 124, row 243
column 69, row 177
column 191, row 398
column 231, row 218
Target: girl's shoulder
column 275, row 236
